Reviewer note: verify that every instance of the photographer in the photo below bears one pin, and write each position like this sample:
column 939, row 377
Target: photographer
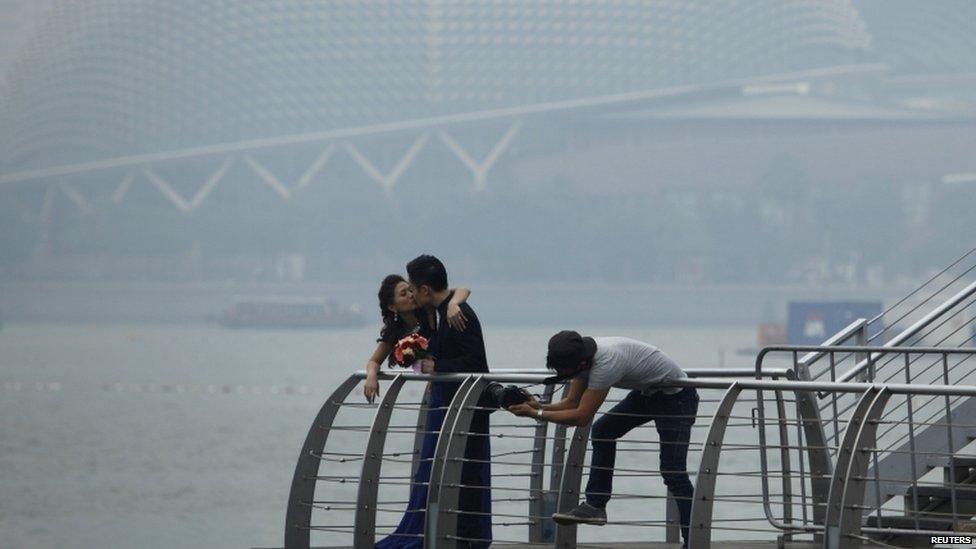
column 595, row 365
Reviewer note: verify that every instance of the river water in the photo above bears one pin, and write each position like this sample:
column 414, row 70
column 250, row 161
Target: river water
column 168, row 435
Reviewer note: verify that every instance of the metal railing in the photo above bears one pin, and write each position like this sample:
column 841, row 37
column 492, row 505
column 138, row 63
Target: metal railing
column 934, row 295
column 356, row 487
column 782, row 492
column 766, row 486
column 940, row 311
column 851, row 461
column 893, row 440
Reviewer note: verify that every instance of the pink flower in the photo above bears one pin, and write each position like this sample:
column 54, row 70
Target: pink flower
column 410, row 349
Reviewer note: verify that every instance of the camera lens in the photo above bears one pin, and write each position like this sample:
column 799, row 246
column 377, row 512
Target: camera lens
column 494, row 394
column 499, row 396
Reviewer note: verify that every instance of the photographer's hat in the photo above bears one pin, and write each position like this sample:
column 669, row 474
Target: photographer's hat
column 567, row 349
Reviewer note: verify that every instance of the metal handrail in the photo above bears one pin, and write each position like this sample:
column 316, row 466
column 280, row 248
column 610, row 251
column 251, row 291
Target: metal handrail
column 444, row 482
column 912, row 330
column 847, row 484
column 841, row 527
column 846, row 333
column 537, row 376
column 846, row 476
column 874, row 367
column 931, row 279
column 877, row 353
column 835, row 388
column 301, row 498
column 299, row 511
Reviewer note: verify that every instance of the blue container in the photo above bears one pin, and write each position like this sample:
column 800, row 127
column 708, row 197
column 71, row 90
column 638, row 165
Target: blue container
column 813, row 322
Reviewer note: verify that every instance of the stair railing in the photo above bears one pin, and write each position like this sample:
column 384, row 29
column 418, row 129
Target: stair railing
column 857, row 483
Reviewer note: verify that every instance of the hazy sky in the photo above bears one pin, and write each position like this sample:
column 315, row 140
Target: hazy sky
column 674, row 192
column 17, row 17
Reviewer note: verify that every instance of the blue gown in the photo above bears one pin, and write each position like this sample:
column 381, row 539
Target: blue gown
column 475, row 526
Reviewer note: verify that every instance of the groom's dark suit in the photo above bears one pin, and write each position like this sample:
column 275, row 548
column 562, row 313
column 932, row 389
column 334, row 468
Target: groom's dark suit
column 459, row 351
column 464, row 352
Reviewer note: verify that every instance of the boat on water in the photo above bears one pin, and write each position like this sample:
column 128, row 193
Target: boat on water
column 290, row 312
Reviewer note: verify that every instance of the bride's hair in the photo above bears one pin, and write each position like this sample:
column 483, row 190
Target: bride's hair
column 391, row 322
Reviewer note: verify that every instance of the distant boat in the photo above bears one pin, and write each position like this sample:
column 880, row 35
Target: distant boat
column 290, row 312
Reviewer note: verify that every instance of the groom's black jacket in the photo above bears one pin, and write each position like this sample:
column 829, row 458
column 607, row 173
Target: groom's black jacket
column 459, row 352
column 464, row 352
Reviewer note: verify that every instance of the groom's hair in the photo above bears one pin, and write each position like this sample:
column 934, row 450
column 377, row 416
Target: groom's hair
column 427, row 270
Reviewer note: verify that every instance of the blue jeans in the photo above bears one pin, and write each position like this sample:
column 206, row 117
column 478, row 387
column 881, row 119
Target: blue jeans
column 673, row 417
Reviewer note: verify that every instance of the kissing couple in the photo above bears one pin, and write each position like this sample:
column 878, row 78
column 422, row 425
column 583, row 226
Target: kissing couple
column 424, row 304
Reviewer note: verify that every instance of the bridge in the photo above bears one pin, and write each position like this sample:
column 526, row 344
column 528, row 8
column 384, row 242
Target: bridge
column 467, row 96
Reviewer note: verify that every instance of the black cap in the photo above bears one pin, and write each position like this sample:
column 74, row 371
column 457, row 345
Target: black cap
column 567, row 349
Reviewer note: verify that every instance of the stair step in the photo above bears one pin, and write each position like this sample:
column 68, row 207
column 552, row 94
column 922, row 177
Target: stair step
column 938, row 499
column 965, row 470
column 902, row 522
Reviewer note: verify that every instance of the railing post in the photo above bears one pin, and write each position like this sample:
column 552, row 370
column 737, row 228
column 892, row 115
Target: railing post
column 418, row 437
column 784, row 452
column 852, row 502
column 949, row 443
column 816, row 441
column 861, row 340
column 364, row 536
column 569, row 489
column 443, row 507
column 700, row 529
column 537, row 488
column 672, row 520
column 298, row 515
column 558, row 460
column 847, row 484
column 432, row 515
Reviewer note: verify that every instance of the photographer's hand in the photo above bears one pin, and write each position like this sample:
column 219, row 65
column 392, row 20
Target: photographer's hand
column 522, row 410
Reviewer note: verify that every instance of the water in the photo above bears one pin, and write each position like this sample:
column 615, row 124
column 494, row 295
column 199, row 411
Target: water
column 162, row 436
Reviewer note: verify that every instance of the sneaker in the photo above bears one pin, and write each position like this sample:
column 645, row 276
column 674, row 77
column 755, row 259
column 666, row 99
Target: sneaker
column 584, row 514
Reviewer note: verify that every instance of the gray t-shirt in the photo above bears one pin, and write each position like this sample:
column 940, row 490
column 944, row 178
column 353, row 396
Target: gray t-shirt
column 630, row 364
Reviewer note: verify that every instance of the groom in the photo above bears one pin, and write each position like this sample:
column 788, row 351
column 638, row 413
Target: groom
column 454, row 351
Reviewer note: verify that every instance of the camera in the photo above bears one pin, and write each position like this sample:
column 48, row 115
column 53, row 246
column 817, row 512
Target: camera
column 503, row 396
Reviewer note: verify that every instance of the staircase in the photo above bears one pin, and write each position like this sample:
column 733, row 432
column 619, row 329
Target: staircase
column 930, row 506
column 923, row 471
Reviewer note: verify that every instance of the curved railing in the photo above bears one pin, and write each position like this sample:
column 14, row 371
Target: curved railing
column 851, row 479
column 884, row 415
column 782, row 495
column 363, row 466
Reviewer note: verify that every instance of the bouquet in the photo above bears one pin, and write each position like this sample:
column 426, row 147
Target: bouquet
column 409, row 351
